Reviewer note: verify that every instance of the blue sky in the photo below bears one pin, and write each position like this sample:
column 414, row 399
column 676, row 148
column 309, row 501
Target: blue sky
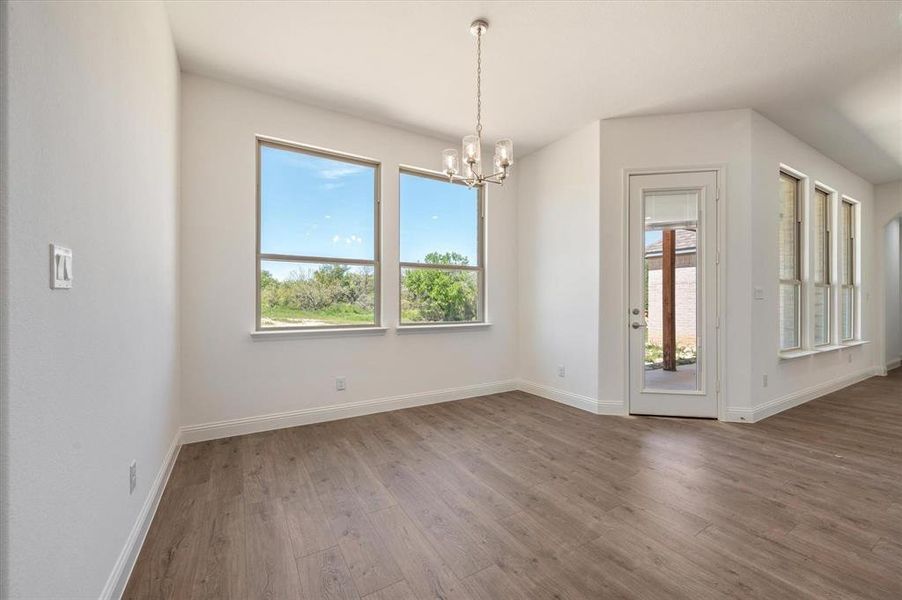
column 437, row 216
column 652, row 236
column 316, row 206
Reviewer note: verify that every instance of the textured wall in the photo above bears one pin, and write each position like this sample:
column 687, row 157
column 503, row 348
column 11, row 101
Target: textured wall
column 91, row 373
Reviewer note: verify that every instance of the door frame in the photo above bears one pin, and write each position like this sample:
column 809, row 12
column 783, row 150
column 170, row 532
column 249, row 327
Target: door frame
column 720, row 302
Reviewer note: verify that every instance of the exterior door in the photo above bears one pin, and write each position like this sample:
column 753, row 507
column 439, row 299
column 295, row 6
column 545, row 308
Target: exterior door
column 672, row 317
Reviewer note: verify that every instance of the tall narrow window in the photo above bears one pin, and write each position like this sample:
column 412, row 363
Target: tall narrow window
column 317, row 239
column 847, row 274
column 822, row 262
column 442, row 274
column 790, row 263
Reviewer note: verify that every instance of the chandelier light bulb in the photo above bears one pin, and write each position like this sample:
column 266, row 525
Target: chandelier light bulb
column 504, row 151
column 471, row 150
column 450, row 162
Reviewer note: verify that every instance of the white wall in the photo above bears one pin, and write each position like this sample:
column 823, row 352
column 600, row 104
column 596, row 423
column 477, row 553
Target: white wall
column 697, row 140
column 772, row 146
column 558, row 265
column 554, row 236
column 90, row 374
column 889, row 201
column 888, row 198
column 228, row 375
column 893, row 292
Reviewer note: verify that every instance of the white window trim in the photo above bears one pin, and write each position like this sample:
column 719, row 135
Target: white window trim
column 830, row 274
column 261, row 141
column 802, row 237
column 433, row 327
column 479, row 268
column 856, row 274
column 272, row 334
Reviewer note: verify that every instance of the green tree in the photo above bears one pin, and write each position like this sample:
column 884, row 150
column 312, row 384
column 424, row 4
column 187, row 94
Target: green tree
column 267, row 280
column 439, row 294
column 269, row 289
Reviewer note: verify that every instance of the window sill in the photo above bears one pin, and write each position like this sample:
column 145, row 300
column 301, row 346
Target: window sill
column 828, row 348
column 854, row 343
column 793, row 354
column 403, row 329
column 284, row 334
column 821, row 349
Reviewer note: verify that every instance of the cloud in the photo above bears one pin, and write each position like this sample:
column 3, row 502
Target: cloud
column 337, row 172
column 352, row 239
column 322, row 168
column 331, row 186
column 434, row 217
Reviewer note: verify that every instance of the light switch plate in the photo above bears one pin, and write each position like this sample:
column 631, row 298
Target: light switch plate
column 60, row 267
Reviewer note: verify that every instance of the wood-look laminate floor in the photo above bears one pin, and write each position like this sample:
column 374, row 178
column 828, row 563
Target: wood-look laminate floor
column 515, row 497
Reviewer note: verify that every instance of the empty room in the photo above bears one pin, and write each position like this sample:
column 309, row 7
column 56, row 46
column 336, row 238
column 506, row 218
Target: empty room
column 415, row 300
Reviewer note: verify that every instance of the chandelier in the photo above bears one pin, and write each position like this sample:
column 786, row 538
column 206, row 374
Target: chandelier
column 472, row 144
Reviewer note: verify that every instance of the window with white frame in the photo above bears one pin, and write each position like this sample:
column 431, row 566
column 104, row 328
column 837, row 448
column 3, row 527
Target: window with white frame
column 441, row 250
column 790, row 254
column 848, row 277
column 822, row 259
column 317, row 238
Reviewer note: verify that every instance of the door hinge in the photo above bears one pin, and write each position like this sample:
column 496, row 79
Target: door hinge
column 717, row 323
column 717, row 193
column 717, row 257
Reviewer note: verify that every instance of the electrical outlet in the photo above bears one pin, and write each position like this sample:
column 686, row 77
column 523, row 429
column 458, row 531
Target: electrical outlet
column 561, row 371
column 132, row 477
column 764, row 380
column 341, row 384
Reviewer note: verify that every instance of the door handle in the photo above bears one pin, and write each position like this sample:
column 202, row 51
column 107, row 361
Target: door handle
column 636, row 325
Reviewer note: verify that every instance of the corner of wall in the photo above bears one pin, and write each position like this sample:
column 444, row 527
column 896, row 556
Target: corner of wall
column 4, row 300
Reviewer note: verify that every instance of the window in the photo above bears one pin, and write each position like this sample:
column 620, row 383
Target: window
column 847, row 271
column 822, row 265
column 317, row 239
column 441, row 231
column 790, row 263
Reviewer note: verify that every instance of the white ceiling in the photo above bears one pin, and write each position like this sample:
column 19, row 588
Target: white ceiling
column 829, row 72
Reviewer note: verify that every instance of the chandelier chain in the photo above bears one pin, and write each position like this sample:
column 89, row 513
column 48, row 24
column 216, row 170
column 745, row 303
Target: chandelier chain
column 473, row 173
column 479, row 84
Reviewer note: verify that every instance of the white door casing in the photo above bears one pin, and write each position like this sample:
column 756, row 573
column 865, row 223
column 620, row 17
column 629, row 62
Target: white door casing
column 682, row 204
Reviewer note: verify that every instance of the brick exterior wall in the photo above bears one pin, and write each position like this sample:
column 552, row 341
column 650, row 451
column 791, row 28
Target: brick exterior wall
column 685, row 301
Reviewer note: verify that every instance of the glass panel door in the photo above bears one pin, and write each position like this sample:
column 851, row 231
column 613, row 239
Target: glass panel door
column 671, row 290
column 673, row 294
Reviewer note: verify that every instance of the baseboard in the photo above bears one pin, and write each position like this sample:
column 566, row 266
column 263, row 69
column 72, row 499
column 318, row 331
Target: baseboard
column 307, row 416
column 894, row 364
column 115, row 585
column 778, row 405
column 586, row 403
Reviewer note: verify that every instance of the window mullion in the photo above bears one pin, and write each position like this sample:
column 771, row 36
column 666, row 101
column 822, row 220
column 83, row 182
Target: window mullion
column 334, row 291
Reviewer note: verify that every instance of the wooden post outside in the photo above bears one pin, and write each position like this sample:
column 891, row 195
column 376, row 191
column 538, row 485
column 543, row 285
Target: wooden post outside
column 668, row 277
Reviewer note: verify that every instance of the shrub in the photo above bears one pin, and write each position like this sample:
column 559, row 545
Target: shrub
column 439, row 294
